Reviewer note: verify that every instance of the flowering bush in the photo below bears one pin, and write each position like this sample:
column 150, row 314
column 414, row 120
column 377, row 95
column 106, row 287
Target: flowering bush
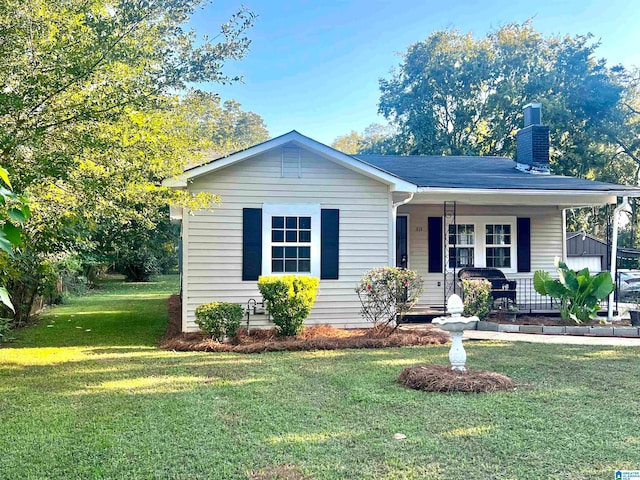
column 477, row 298
column 289, row 299
column 388, row 293
column 219, row 319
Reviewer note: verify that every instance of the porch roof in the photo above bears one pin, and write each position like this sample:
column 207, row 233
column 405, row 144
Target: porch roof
column 484, row 173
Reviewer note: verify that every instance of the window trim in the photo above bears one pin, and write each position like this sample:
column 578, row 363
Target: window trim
column 293, row 210
column 480, row 246
column 495, row 245
column 469, row 246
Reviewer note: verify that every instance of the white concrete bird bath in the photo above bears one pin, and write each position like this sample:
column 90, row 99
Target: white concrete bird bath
column 456, row 324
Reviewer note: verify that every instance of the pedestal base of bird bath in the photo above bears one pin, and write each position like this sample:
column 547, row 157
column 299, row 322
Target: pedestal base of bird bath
column 457, row 354
column 456, row 324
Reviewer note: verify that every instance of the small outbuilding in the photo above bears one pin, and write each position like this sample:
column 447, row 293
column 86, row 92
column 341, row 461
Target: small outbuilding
column 585, row 250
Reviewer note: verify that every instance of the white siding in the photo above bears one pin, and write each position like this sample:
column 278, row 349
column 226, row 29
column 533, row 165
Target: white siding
column 546, row 239
column 213, row 240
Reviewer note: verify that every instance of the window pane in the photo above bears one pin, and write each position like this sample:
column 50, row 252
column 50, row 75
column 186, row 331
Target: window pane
column 305, row 223
column 464, row 257
column 277, row 222
column 292, row 222
column 304, row 236
column 506, row 234
column 499, row 257
column 452, row 257
column 468, row 237
column 462, row 234
column 277, row 266
column 277, row 252
column 461, row 257
column 277, row 235
column 291, row 252
column 498, row 234
column 304, row 252
column 304, row 265
column 290, row 265
column 292, row 236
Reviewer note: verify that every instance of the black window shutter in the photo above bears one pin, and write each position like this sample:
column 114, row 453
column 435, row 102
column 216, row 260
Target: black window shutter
column 435, row 244
column 251, row 243
column 402, row 254
column 329, row 243
column 524, row 244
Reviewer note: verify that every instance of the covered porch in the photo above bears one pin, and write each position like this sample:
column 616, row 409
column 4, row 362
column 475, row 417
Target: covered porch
column 517, row 232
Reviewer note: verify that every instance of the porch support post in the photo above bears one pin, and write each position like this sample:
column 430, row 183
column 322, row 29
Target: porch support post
column 614, row 251
column 564, row 235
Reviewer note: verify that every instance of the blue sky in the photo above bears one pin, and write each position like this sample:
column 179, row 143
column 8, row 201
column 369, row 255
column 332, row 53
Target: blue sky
column 314, row 66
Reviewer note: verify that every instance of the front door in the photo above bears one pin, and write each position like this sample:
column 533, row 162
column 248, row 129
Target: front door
column 402, row 241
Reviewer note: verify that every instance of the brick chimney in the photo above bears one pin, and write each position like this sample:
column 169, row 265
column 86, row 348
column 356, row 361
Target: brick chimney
column 532, row 153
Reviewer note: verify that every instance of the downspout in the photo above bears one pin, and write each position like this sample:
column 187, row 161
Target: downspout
column 394, row 214
column 614, row 252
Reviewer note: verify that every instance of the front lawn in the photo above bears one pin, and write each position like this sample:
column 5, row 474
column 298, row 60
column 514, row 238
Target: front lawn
column 102, row 401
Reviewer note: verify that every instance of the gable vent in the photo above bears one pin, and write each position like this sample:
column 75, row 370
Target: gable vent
column 291, row 167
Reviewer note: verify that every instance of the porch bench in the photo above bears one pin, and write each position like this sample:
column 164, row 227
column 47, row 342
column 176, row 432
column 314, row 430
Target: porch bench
column 501, row 287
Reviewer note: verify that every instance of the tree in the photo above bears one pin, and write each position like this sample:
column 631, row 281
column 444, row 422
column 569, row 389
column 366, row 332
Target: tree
column 90, row 117
column 223, row 126
column 144, row 242
column 454, row 95
column 351, row 143
column 376, row 139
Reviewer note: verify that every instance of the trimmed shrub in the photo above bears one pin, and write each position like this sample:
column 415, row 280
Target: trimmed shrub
column 388, row 293
column 219, row 319
column 289, row 299
column 477, row 298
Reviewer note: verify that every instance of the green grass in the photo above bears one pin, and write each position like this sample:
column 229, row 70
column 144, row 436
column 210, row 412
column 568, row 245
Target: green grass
column 108, row 404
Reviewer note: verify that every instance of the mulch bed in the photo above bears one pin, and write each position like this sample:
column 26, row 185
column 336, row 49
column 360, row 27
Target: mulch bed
column 174, row 327
column 440, row 378
column 317, row 337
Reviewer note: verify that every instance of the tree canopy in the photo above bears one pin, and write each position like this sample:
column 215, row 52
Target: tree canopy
column 376, row 138
column 95, row 113
column 454, row 94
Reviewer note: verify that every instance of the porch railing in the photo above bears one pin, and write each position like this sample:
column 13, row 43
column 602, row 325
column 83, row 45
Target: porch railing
column 530, row 301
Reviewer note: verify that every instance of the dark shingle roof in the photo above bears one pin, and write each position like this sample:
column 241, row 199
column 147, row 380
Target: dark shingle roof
column 478, row 172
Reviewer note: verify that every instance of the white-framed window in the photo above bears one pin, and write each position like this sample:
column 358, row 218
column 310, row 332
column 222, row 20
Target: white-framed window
column 498, row 243
column 482, row 241
column 463, row 236
column 291, row 239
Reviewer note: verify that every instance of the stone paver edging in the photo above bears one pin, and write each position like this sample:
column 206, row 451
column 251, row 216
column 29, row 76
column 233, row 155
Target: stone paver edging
column 595, row 331
column 551, row 339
